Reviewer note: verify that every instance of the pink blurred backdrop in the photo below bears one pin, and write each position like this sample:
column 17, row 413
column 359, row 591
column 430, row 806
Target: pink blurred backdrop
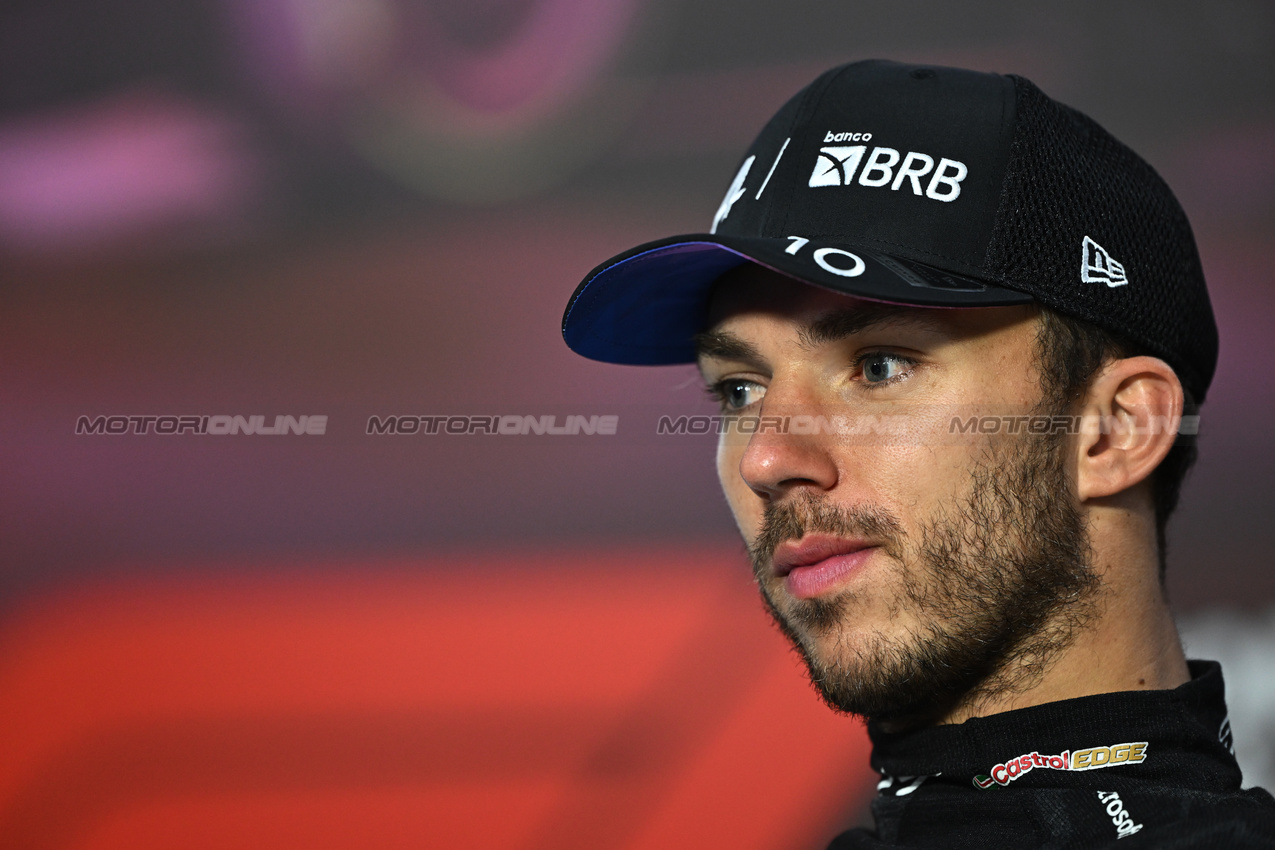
column 351, row 209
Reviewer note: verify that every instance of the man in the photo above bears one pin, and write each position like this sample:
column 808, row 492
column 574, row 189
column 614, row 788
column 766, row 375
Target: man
column 958, row 333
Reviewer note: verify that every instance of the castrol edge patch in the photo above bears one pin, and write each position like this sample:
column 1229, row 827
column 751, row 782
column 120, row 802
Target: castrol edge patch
column 1088, row 759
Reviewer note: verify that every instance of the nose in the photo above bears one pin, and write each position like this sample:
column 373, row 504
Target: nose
column 789, row 450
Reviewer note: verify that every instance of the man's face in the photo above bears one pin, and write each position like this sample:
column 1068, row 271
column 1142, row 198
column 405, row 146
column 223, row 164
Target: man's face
column 912, row 566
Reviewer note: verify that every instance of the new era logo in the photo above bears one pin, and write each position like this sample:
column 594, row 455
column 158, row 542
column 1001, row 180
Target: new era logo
column 1097, row 266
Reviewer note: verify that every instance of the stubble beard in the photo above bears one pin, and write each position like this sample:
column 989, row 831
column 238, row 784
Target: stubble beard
column 1000, row 584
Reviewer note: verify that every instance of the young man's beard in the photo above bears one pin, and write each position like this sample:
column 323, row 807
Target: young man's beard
column 1001, row 583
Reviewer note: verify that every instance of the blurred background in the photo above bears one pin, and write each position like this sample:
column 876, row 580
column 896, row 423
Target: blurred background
column 373, row 208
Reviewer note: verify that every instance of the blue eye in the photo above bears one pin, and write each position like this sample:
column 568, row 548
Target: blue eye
column 880, row 367
column 736, row 394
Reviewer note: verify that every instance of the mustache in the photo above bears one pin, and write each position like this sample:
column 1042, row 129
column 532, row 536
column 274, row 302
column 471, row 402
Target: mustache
column 805, row 514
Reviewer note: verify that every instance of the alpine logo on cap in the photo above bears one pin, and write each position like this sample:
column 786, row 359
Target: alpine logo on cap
column 838, row 164
column 1097, row 266
column 733, row 194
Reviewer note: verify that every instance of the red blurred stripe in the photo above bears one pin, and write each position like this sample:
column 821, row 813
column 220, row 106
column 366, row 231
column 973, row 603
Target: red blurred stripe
column 583, row 699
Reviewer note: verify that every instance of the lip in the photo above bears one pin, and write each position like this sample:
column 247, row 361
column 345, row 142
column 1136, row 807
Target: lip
column 818, row 563
column 812, row 549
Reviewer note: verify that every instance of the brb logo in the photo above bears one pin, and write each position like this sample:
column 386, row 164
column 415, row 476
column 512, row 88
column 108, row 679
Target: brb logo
column 838, row 164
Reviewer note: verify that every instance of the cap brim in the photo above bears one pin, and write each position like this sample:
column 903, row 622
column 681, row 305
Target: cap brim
column 644, row 307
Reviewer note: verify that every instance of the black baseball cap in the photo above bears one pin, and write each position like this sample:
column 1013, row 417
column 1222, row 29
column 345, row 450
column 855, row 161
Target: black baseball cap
column 929, row 186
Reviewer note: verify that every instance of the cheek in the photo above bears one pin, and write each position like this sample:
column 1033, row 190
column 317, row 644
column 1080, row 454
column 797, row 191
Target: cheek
column 915, row 482
column 932, row 462
column 900, row 478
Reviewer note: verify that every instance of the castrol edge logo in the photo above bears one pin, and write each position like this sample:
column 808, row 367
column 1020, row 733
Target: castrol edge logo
column 1090, row 759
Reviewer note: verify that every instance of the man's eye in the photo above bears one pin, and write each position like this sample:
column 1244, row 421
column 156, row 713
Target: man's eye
column 880, row 367
column 736, row 394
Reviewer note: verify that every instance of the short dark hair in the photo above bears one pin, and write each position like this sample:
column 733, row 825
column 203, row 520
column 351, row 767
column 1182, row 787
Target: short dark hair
column 1069, row 353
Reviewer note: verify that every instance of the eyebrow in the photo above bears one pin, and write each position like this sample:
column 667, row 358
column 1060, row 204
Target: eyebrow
column 827, row 328
column 724, row 345
column 840, row 324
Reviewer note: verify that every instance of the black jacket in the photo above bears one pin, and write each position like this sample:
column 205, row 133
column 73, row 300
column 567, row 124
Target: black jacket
column 1127, row 770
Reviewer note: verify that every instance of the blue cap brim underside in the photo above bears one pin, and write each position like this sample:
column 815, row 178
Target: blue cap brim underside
column 646, row 309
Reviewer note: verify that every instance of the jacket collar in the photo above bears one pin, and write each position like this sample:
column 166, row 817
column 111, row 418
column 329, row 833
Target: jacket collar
column 1148, row 735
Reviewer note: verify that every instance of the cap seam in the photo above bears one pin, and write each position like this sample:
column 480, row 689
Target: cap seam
column 801, row 116
column 1007, row 103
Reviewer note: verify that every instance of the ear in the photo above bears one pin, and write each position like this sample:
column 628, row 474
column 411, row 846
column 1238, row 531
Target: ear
column 1131, row 416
